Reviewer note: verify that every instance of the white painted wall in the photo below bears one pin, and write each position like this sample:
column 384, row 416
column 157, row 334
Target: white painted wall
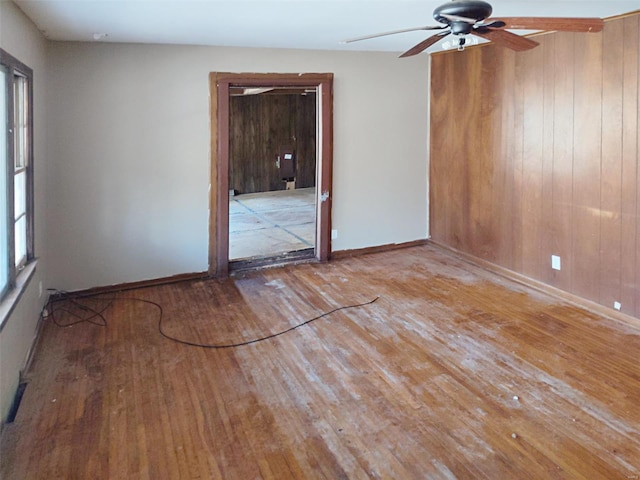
column 20, row 38
column 129, row 149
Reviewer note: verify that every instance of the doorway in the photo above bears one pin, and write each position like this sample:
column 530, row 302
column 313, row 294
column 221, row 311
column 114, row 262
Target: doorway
column 272, row 174
column 222, row 86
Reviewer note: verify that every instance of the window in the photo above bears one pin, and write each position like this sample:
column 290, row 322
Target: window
column 16, row 170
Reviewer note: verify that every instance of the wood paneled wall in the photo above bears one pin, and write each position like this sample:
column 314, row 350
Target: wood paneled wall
column 535, row 154
column 259, row 126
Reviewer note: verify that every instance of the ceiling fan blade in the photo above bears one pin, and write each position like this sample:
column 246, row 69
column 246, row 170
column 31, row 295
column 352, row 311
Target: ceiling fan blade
column 552, row 23
column 423, row 45
column 393, row 32
column 494, row 24
column 506, row 39
column 457, row 18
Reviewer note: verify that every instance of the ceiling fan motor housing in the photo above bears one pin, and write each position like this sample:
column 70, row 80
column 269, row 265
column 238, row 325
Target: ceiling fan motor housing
column 475, row 9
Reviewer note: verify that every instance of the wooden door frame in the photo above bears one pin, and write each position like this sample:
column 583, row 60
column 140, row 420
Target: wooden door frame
column 219, row 85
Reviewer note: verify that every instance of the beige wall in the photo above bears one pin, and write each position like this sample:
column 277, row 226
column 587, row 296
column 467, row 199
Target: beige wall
column 129, row 145
column 20, row 38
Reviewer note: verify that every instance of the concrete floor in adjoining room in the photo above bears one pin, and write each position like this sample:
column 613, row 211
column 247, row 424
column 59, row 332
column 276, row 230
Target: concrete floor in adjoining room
column 271, row 223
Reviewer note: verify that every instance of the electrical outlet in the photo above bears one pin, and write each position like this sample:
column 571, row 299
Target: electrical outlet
column 617, row 305
column 555, row 262
column 334, row 234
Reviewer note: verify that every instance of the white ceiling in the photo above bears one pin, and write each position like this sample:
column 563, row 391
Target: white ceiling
column 305, row 24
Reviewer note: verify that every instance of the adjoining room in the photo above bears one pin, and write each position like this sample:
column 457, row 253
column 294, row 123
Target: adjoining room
column 272, row 171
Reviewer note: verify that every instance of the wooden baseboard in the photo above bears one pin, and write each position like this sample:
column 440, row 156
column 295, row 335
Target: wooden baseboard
column 183, row 277
column 484, row 264
column 377, row 249
column 576, row 300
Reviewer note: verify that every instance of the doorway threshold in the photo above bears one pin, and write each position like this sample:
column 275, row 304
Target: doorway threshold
column 306, row 255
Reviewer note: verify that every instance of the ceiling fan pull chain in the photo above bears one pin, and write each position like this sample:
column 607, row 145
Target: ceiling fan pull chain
column 461, row 44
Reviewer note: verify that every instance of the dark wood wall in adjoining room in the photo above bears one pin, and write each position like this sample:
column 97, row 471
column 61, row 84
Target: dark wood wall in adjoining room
column 535, row 154
column 259, row 126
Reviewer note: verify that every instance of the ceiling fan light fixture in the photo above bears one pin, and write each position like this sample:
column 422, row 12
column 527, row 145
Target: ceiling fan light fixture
column 464, row 20
column 459, row 42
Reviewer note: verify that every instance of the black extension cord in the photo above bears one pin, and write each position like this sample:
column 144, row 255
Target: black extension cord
column 99, row 314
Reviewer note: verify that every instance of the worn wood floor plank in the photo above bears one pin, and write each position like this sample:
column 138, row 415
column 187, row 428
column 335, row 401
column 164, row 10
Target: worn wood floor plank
column 452, row 373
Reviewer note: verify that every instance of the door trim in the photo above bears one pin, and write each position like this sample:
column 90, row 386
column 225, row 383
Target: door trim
column 219, row 84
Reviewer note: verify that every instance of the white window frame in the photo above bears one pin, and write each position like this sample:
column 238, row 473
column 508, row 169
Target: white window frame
column 19, row 146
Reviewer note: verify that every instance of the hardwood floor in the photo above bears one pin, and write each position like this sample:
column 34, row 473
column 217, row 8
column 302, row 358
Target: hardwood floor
column 452, row 373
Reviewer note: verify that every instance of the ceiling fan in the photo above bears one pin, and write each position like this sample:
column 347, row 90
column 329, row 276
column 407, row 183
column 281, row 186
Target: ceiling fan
column 471, row 17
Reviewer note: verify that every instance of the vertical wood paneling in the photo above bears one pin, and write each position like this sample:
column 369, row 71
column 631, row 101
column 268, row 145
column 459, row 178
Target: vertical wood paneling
column 260, row 125
column 517, row 135
column 477, row 201
column 587, row 151
column 562, row 186
column 629, row 277
column 438, row 212
column 457, row 191
column 536, row 153
column 611, row 184
column 531, row 72
column 637, row 124
column 305, row 136
column 507, row 200
column 548, row 44
column 634, row 33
